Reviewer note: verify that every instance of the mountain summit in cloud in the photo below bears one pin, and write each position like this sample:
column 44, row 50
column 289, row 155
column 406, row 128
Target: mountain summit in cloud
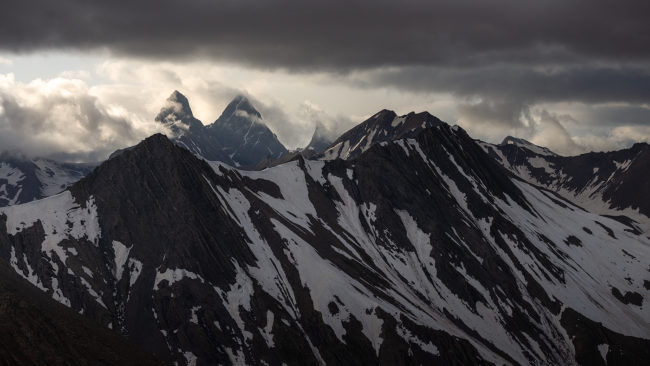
column 240, row 106
column 238, row 137
column 177, row 115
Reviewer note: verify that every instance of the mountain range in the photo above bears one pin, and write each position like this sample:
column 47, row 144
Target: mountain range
column 403, row 242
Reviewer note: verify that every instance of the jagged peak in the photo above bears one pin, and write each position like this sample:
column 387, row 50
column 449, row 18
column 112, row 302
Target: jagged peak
column 177, row 108
column 427, row 116
column 384, row 113
column 155, row 154
column 178, row 97
column 384, row 125
column 240, row 106
column 157, row 141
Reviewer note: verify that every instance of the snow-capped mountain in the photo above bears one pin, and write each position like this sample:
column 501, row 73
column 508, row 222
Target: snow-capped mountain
column 610, row 183
column 238, row 137
column 419, row 250
column 178, row 116
column 383, row 126
column 25, row 179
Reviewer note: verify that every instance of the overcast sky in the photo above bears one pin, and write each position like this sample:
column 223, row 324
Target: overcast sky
column 79, row 79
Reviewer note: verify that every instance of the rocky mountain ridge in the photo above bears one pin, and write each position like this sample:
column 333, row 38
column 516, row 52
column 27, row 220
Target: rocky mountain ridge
column 419, row 249
column 381, row 127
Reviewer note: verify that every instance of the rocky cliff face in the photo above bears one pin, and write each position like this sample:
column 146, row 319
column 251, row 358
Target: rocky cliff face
column 415, row 250
column 37, row 330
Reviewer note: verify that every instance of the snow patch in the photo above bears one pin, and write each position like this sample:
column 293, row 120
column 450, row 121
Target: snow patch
column 61, row 217
column 603, row 349
column 135, row 267
column 410, row 338
column 190, row 358
column 174, row 275
column 121, row 253
column 398, row 121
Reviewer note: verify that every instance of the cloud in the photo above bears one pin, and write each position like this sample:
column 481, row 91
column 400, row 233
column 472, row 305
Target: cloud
column 614, row 139
column 330, row 127
column 323, row 35
column 59, row 118
column 291, row 131
column 67, row 118
column 584, row 83
column 5, row 61
column 551, row 133
column 492, row 120
column 75, row 74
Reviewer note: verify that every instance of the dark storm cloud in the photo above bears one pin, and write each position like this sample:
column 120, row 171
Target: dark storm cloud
column 585, row 83
column 338, row 36
column 589, row 51
column 502, row 95
column 616, row 115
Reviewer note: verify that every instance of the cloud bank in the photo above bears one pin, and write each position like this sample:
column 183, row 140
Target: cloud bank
column 330, row 35
column 59, row 118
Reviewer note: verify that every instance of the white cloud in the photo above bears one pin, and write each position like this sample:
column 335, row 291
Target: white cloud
column 5, row 61
column 329, row 126
column 75, row 74
column 549, row 132
column 567, row 131
column 618, row 138
column 61, row 118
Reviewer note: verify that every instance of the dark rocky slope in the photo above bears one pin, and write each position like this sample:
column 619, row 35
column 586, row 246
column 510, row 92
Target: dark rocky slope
column 37, row 330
